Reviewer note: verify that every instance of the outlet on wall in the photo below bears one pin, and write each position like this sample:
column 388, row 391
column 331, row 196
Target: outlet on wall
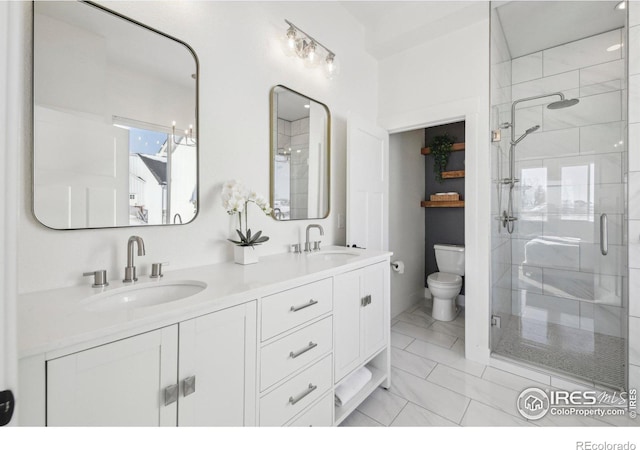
column 341, row 221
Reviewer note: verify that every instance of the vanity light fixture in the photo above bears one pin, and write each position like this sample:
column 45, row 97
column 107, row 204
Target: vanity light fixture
column 622, row 5
column 310, row 50
column 188, row 139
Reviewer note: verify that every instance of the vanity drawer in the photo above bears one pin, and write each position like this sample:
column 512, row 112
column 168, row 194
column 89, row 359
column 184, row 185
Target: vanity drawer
column 319, row 415
column 292, row 352
column 284, row 402
column 287, row 309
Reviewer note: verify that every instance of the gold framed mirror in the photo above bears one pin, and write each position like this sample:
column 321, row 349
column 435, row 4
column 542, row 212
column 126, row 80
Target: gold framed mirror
column 115, row 121
column 300, row 156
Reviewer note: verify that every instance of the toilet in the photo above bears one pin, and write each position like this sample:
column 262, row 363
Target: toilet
column 445, row 285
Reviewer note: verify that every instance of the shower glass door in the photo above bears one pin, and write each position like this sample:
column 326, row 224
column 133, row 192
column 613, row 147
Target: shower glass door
column 558, row 299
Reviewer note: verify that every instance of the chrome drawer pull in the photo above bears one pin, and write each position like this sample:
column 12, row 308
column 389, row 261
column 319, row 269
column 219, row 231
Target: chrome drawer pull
column 310, row 389
column 304, row 350
column 306, row 305
column 170, row 394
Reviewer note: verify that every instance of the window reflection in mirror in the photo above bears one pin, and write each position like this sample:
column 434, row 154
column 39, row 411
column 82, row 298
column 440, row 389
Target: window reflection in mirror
column 300, row 137
column 114, row 119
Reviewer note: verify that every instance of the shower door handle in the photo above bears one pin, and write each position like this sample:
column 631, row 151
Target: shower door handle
column 604, row 235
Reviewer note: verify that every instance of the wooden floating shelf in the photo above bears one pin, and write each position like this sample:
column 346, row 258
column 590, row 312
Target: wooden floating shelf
column 453, row 174
column 455, row 148
column 428, row 204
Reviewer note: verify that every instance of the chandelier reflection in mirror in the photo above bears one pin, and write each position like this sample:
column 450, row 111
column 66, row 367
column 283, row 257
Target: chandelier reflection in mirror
column 314, row 54
column 187, row 139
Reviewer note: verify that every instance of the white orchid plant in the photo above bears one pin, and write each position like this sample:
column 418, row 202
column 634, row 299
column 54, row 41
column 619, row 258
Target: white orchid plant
column 235, row 200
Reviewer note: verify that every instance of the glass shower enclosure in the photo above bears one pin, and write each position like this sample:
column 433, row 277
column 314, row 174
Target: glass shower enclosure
column 559, row 158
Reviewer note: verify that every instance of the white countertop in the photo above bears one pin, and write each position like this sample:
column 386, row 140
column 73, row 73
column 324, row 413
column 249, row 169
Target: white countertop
column 57, row 322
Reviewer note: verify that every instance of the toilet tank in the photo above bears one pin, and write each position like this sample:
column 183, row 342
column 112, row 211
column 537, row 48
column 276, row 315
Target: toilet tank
column 450, row 258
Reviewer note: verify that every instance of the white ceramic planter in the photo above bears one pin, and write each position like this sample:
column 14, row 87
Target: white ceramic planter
column 245, row 255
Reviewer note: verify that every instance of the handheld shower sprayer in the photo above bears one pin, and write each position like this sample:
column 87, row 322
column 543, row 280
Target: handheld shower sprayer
column 526, row 133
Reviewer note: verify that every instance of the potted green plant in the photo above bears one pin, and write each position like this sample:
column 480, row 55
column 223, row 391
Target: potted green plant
column 441, row 146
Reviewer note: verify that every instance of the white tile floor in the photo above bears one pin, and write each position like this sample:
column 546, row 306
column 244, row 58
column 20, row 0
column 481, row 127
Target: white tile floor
column 432, row 384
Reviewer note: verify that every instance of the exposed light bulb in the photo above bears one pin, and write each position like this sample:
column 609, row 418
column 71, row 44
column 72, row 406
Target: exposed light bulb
column 622, row 5
column 331, row 66
column 311, row 51
column 291, row 38
column 307, row 106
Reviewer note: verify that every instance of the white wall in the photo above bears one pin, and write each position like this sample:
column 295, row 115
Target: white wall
column 239, row 50
column 12, row 81
column 406, row 218
column 441, row 81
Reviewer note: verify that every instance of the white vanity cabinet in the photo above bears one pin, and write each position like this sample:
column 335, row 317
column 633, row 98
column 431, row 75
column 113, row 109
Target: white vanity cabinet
column 265, row 345
column 198, row 372
column 361, row 317
column 117, row 384
column 296, row 358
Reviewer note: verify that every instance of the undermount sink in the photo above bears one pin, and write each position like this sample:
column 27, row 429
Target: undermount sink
column 143, row 295
column 333, row 255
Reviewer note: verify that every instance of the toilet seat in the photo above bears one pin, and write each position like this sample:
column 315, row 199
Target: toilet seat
column 443, row 279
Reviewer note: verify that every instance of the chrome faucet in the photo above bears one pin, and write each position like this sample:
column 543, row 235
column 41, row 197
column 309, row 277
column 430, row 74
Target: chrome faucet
column 307, row 245
column 130, row 270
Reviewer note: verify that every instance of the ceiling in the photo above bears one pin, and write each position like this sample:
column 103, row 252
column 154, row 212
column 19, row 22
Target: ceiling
column 392, row 27
column 531, row 26
column 395, row 26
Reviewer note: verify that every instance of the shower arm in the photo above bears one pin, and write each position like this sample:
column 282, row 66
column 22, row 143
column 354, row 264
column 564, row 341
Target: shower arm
column 527, row 99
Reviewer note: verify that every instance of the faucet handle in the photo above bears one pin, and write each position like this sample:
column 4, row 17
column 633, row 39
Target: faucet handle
column 99, row 278
column 295, row 248
column 156, row 269
column 316, row 245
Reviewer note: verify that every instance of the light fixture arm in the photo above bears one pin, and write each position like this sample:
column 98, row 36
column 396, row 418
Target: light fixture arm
column 310, row 37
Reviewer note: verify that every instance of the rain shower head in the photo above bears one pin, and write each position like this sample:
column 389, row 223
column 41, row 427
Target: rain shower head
column 564, row 103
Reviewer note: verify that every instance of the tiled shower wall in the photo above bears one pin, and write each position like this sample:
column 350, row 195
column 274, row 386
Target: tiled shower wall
column 571, row 171
column 634, row 194
column 296, row 140
column 500, row 240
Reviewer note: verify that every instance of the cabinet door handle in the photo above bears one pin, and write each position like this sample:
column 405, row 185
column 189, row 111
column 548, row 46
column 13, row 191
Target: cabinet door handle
column 170, row 394
column 188, row 386
column 304, row 350
column 306, row 305
column 366, row 300
column 369, row 299
column 297, row 398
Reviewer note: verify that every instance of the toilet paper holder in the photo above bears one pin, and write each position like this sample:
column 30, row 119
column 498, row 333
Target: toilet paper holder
column 397, row 266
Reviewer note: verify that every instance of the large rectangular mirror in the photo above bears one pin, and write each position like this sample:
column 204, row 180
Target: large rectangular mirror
column 114, row 119
column 300, row 137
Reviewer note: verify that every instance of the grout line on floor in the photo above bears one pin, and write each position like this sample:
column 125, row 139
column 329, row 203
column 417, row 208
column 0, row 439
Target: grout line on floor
column 465, row 411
